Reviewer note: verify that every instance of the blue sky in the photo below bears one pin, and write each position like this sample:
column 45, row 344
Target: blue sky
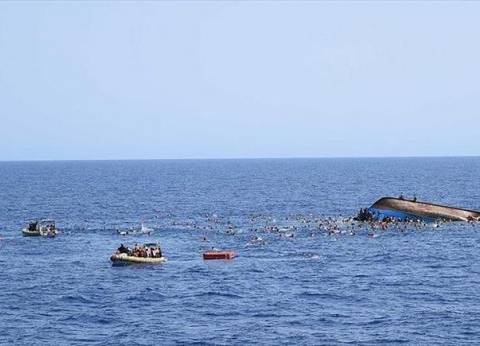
column 115, row 80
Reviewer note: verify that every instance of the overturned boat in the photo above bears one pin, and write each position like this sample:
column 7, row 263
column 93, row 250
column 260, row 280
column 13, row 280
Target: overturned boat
column 404, row 210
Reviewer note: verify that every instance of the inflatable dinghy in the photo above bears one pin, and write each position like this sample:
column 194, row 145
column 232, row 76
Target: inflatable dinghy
column 123, row 258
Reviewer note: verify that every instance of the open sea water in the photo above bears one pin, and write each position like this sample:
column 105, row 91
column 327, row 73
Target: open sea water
column 414, row 287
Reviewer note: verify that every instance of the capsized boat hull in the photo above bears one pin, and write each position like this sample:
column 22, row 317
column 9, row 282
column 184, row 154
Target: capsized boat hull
column 126, row 259
column 403, row 209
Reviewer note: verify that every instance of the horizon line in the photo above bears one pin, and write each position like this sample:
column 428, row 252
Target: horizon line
column 248, row 158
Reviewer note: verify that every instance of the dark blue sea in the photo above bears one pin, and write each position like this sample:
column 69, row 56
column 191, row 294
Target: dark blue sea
column 414, row 286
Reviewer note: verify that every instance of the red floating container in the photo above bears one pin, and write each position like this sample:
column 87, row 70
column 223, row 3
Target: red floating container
column 218, row 255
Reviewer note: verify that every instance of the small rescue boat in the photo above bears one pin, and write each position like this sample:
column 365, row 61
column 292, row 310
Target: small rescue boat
column 28, row 233
column 218, row 255
column 44, row 228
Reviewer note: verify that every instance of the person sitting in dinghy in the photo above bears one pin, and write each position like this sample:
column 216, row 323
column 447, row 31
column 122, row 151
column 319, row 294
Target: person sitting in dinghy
column 32, row 226
column 123, row 249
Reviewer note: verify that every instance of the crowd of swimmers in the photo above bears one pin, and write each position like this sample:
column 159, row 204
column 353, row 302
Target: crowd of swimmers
column 292, row 225
column 364, row 215
column 251, row 229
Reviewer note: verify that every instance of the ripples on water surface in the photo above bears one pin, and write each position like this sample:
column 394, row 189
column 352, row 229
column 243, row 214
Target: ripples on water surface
column 417, row 287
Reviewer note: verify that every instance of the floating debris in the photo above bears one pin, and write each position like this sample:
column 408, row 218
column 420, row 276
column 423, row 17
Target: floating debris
column 218, row 255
